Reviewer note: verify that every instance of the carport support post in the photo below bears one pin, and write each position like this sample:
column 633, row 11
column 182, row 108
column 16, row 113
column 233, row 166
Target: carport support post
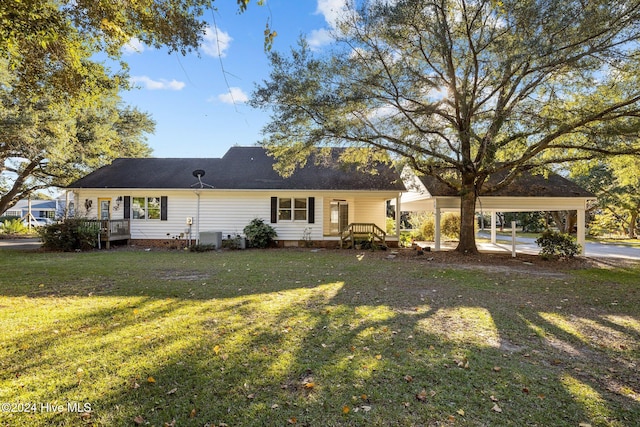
column 494, row 223
column 580, row 232
column 436, row 232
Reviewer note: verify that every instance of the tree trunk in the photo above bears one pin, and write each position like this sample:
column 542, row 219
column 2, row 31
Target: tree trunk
column 467, row 243
column 632, row 225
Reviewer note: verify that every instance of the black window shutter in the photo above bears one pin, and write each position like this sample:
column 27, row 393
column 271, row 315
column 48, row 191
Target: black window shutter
column 274, row 210
column 127, row 207
column 311, row 206
column 163, row 208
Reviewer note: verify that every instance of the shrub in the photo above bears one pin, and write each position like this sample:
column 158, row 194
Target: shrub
column 428, row 228
column 13, row 226
column 70, row 235
column 557, row 245
column 450, row 225
column 202, row 247
column 259, row 234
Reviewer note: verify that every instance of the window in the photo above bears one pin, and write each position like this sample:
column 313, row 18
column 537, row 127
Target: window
column 292, row 209
column 145, row 207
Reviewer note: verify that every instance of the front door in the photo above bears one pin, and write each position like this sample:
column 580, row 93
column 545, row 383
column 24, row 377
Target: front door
column 339, row 217
column 104, row 208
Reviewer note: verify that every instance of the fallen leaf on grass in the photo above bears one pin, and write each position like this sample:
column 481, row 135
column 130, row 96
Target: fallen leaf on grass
column 292, row 420
column 497, row 368
column 422, row 396
column 138, row 420
column 216, row 349
column 493, row 398
column 346, row 409
column 496, row 408
column 171, row 424
column 309, row 385
column 408, row 378
column 172, row 391
column 460, row 412
column 193, row 412
column 151, row 380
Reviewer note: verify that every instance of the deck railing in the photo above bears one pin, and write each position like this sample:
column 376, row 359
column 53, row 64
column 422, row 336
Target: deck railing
column 110, row 229
column 362, row 231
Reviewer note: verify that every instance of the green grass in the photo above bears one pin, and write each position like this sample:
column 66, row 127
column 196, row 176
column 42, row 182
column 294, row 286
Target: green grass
column 303, row 338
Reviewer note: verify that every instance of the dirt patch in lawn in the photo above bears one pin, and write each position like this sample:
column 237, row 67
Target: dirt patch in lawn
column 500, row 262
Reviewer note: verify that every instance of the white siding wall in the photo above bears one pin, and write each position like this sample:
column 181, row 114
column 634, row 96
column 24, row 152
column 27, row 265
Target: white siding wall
column 230, row 211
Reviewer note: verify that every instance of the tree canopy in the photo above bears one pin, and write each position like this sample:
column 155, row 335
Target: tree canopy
column 49, row 144
column 60, row 113
column 463, row 89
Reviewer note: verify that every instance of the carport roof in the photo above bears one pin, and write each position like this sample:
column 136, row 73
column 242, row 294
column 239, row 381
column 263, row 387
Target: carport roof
column 526, row 185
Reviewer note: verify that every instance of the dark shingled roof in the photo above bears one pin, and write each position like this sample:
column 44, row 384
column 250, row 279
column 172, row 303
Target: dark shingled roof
column 526, row 185
column 241, row 168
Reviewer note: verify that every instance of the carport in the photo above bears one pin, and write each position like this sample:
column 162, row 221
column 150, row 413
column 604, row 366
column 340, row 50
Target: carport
column 528, row 193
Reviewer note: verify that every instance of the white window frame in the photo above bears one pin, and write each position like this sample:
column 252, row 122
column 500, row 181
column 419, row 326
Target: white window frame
column 148, row 200
column 293, row 212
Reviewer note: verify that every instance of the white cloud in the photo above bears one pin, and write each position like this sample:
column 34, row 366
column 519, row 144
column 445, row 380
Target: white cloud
column 319, row 38
column 134, row 45
column 162, row 84
column 332, row 10
column 234, row 96
column 215, row 42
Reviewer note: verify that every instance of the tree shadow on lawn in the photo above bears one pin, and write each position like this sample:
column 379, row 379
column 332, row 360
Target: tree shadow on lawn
column 438, row 347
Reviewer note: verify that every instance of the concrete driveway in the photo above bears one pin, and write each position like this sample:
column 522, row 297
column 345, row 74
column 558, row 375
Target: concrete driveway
column 528, row 245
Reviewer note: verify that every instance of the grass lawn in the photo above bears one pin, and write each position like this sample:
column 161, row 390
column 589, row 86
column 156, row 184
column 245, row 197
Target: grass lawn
column 326, row 338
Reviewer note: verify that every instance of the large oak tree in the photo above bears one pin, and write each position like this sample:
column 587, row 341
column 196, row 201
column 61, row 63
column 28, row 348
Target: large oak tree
column 463, row 89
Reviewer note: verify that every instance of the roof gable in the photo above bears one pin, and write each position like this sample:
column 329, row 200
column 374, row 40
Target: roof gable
column 241, row 168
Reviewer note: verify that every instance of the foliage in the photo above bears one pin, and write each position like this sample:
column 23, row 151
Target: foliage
column 554, row 244
column 532, row 222
column 450, row 225
column 390, row 225
column 463, row 90
column 616, row 183
column 233, row 242
column 69, row 235
column 60, row 113
column 427, row 228
column 51, row 37
column 48, row 144
column 202, row 247
column 406, row 239
column 13, row 226
column 259, row 234
column 281, row 338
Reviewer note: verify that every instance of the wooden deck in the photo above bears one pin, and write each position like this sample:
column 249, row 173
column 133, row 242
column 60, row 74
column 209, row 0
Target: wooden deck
column 359, row 231
column 111, row 230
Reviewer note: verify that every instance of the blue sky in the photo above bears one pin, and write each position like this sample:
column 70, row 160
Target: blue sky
column 198, row 102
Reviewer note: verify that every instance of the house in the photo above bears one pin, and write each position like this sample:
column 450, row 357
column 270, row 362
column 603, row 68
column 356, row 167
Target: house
column 159, row 200
column 50, row 209
column 527, row 193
